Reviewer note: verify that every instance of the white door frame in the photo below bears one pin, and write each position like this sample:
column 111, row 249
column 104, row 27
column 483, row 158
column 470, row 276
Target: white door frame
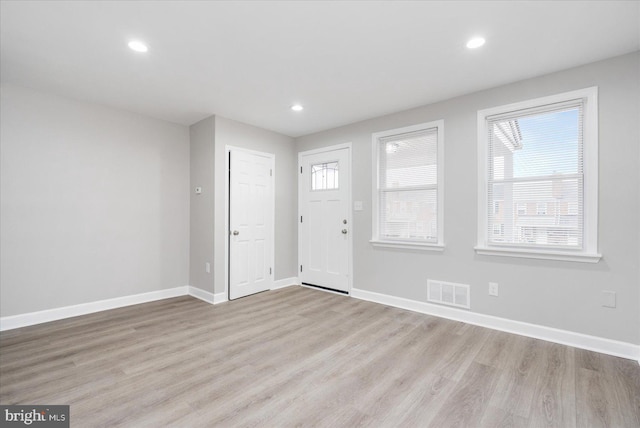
column 349, row 210
column 227, row 150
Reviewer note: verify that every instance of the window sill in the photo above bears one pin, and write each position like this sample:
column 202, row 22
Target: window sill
column 407, row 245
column 538, row 254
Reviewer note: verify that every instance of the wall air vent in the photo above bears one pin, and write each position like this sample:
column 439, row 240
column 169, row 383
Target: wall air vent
column 449, row 293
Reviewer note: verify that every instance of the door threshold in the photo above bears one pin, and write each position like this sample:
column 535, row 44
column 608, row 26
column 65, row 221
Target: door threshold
column 326, row 288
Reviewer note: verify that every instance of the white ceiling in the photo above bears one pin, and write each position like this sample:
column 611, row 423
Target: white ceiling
column 344, row 61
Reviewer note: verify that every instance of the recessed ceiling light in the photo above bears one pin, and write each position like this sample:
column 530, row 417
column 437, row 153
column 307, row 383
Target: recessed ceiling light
column 138, row 46
column 297, row 107
column 476, row 42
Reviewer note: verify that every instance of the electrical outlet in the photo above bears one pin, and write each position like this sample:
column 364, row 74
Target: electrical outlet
column 493, row 289
column 608, row 299
column 207, row 267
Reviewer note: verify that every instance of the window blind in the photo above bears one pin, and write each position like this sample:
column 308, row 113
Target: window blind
column 408, row 186
column 535, row 177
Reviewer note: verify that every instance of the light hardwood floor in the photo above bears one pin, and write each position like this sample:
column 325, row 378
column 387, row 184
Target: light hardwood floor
column 301, row 357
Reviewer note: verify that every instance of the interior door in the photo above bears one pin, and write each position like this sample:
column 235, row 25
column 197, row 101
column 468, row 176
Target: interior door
column 251, row 207
column 325, row 223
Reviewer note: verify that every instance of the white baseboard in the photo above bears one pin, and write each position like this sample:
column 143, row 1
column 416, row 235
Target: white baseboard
column 207, row 296
column 32, row 318
column 564, row 337
column 24, row 320
column 286, row 282
column 199, row 293
column 220, row 298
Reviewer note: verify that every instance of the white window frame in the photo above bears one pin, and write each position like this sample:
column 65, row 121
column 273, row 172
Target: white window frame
column 406, row 244
column 589, row 252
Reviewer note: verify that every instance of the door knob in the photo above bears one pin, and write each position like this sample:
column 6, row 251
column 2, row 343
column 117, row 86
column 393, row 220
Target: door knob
column 235, row 232
column 344, row 231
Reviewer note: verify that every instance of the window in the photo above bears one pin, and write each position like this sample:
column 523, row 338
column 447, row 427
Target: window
column 572, row 208
column 539, row 157
column 407, row 190
column 324, row 176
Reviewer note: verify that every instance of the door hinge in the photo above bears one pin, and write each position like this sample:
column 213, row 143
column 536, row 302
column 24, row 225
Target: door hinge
column 270, row 173
column 300, row 170
column 269, row 271
column 300, row 268
column 300, row 219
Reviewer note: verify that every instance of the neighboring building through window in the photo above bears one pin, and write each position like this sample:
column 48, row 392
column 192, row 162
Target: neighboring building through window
column 407, row 191
column 541, row 208
column 538, row 178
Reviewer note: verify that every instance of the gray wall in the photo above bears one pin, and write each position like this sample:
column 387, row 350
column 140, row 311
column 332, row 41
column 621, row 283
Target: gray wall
column 564, row 295
column 202, row 136
column 94, row 204
column 232, row 133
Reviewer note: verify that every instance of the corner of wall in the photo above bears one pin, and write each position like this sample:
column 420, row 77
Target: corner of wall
column 202, row 204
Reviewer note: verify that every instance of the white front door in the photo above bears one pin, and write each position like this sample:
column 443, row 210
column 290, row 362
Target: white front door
column 251, row 207
column 325, row 222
